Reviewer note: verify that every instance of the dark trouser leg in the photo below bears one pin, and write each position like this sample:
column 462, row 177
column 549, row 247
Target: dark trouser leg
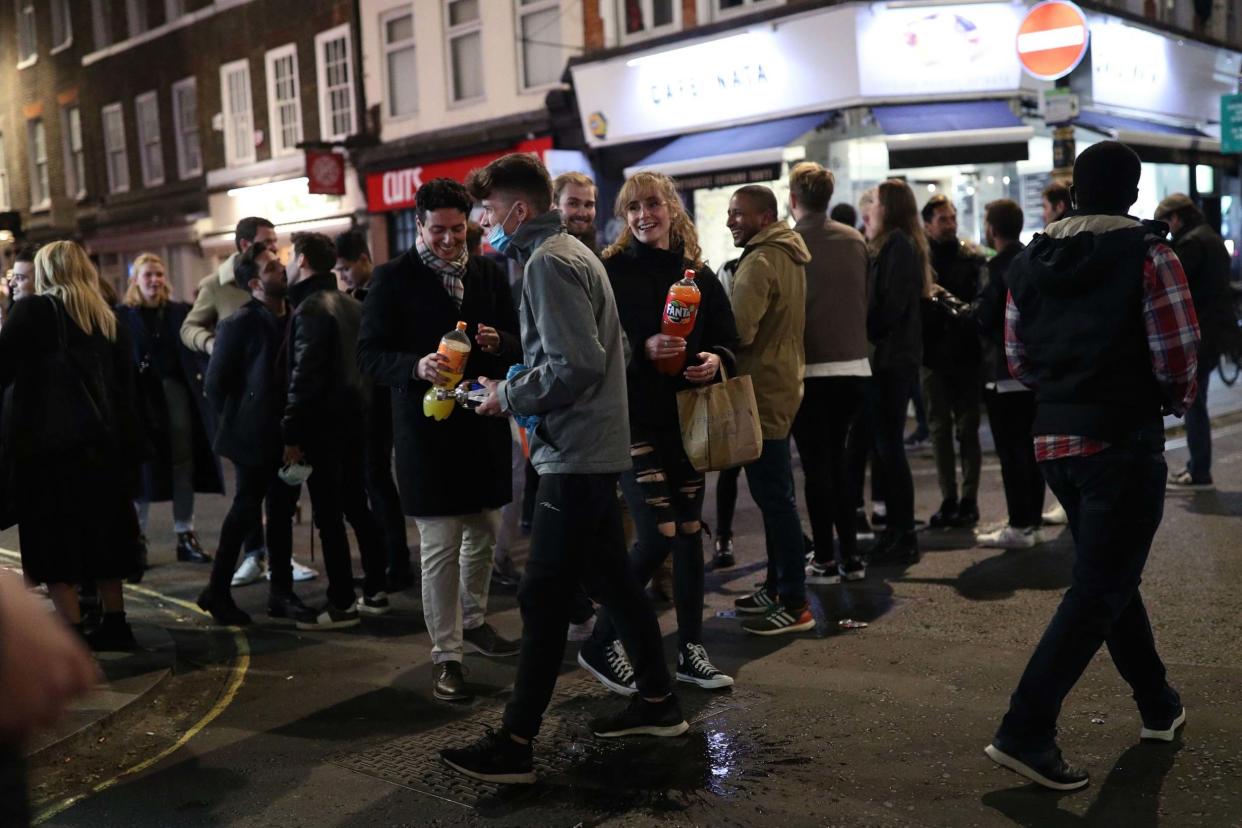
column 770, row 479
column 920, row 407
column 362, row 519
column 181, row 445
column 282, row 503
column 385, row 502
column 1010, row 416
column 1199, row 425
column 326, row 485
column 726, row 501
column 580, row 607
column 577, row 538
column 848, row 393
column 830, row 405
column 964, row 393
column 1114, row 501
column 892, row 394
column 529, row 493
column 940, row 424
column 14, row 806
column 243, row 516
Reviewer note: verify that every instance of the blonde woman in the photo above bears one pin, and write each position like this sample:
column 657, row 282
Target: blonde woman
column 663, row 491
column 171, row 393
column 75, row 466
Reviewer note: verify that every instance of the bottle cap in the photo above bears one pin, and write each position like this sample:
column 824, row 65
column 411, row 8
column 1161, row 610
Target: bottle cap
column 689, row 274
column 461, row 326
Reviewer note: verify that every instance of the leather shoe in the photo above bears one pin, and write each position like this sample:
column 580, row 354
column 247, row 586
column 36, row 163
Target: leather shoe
column 967, row 514
column 288, row 605
column 188, row 549
column 896, row 548
column 223, row 611
column 946, row 516
column 449, row 683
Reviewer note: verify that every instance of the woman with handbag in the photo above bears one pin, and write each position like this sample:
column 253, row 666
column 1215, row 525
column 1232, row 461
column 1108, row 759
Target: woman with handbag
column 171, row 394
column 663, row 491
column 71, row 440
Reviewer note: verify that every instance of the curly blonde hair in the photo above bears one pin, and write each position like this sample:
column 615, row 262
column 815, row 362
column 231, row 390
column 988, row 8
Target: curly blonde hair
column 681, row 233
column 133, row 293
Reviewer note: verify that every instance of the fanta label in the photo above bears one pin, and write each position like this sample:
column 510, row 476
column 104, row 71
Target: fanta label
column 678, row 312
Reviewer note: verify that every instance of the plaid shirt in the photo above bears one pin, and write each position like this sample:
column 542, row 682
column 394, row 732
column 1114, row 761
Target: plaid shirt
column 1172, row 337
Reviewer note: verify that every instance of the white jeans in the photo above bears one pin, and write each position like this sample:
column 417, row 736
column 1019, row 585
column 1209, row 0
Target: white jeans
column 457, row 570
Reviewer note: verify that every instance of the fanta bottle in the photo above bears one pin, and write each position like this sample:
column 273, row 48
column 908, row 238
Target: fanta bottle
column 455, row 348
column 681, row 308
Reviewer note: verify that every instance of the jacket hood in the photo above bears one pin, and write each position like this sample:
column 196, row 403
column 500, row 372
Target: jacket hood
column 527, row 238
column 225, row 271
column 1075, row 254
column 781, row 236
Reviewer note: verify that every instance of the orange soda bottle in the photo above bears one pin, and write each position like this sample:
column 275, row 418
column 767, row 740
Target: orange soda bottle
column 681, row 308
column 455, row 348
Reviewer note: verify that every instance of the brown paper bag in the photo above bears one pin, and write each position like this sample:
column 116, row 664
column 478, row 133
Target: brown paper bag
column 720, row 424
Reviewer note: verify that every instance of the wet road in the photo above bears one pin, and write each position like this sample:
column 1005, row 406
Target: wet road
column 877, row 726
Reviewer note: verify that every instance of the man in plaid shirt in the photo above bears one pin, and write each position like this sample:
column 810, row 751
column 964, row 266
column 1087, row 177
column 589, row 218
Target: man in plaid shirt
column 1100, row 324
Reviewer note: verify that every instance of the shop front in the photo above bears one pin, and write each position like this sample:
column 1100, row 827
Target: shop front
column 933, row 94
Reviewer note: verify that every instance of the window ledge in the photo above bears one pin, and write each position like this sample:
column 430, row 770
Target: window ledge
column 465, row 103
column 42, row 207
column 56, row 50
column 544, row 87
column 28, row 62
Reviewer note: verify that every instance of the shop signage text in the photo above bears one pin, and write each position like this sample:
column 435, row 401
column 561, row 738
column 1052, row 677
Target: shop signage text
column 1231, row 123
column 729, row 178
column 395, row 189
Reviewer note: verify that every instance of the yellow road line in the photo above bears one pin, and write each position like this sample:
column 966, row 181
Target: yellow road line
column 238, row 675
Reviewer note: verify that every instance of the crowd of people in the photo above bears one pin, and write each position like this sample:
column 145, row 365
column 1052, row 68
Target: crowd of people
column 313, row 371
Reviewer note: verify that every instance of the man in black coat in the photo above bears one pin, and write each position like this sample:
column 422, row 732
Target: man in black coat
column 246, row 393
column 1205, row 259
column 326, row 391
column 453, row 474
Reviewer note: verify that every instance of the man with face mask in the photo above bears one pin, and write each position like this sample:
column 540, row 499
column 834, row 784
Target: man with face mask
column 574, row 195
column 453, row 474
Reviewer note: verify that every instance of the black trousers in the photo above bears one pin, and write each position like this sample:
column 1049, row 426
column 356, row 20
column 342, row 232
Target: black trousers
column 830, row 405
column 1114, row 501
column 254, row 485
column 382, row 492
column 860, row 449
column 577, row 538
column 1011, row 416
column 14, row 805
column 890, row 393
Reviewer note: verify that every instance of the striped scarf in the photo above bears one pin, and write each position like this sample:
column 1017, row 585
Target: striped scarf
column 451, row 273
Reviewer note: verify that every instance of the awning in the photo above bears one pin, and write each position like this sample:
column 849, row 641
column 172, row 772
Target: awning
column 724, row 149
column 952, row 133
column 1146, row 133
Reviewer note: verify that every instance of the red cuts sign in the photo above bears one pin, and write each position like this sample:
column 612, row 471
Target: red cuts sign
column 395, row 189
column 325, row 172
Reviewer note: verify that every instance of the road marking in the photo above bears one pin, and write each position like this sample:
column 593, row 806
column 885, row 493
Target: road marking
column 238, row 676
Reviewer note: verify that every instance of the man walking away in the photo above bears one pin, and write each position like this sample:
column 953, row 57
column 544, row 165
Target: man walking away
column 769, row 304
column 836, row 370
column 1101, row 324
column 575, row 385
column 1205, row 260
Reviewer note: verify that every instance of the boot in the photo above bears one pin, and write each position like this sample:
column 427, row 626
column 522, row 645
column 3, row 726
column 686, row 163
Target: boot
column 112, row 635
column 188, row 549
column 143, row 564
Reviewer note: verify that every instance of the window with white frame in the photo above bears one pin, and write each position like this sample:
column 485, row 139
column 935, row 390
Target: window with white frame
column 173, row 9
column 26, row 42
column 539, row 32
column 185, row 127
column 238, row 115
column 727, row 8
column 6, row 202
column 39, row 193
column 75, row 158
column 463, row 27
column 150, row 144
column 136, row 15
column 333, row 59
column 400, row 71
column 62, row 24
column 284, row 102
column 643, row 18
column 115, row 154
column 101, row 22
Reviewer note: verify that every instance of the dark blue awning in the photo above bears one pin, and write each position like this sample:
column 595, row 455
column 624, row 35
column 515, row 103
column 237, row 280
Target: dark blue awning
column 733, row 146
column 957, row 116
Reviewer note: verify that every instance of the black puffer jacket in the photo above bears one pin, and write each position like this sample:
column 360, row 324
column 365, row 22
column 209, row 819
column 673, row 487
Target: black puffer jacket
column 893, row 322
column 640, row 277
column 951, row 343
column 243, row 386
column 326, row 389
column 1205, row 259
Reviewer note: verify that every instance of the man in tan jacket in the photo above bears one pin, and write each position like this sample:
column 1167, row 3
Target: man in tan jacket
column 769, row 303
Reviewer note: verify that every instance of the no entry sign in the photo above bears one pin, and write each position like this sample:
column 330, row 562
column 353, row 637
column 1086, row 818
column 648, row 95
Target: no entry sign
column 1053, row 39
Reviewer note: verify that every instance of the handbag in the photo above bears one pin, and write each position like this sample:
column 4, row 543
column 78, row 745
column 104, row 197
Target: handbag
column 70, row 402
column 720, row 423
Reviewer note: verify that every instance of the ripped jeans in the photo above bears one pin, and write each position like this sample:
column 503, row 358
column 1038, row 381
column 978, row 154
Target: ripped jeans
column 665, row 497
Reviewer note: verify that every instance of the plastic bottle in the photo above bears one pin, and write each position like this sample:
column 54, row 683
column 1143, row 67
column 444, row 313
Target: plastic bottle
column 681, row 308
column 455, row 348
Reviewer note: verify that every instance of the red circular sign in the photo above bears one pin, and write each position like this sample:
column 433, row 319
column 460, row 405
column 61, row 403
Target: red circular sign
column 1053, row 39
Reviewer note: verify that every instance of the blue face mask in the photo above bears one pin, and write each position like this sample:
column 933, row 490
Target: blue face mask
column 498, row 238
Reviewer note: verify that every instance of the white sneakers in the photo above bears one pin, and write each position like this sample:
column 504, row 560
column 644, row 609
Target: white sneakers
column 1056, row 516
column 1011, row 537
column 251, row 570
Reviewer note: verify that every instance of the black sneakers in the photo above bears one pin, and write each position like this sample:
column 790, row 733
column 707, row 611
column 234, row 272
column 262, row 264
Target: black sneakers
column 1163, row 731
column 1046, row 768
column 946, row 516
column 113, row 634
column 375, row 605
column 724, row 553
column 189, row 550
column 223, row 611
column 330, row 617
column 643, row 718
column 610, row 665
column 449, row 682
column 893, row 547
column 693, row 667
column 282, row 604
column 967, row 513
column 493, row 758
column 829, row 573
column 759, row 602
column 485, row 641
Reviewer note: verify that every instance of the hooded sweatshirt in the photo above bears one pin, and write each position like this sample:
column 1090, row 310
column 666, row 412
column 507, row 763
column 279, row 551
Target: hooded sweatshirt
column 769, row 305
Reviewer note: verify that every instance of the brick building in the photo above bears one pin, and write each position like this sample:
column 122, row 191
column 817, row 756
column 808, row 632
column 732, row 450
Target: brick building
column 153, row 125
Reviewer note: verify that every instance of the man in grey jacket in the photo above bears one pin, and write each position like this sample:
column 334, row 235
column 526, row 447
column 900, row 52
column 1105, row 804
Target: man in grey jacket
column 573, row 384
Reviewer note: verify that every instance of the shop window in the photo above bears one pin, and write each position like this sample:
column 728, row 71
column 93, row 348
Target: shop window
column 463, row 27
column 114, row 148
column 644, row 18
column 136, row 15
column 6, row 202
column 75, row 157
column 336, row 84
column 62, row 25
column 150, row 145
column 26, row 42
column 39, row 195
column 400, row 69
column 284, row 101
column 101, row 22
column 238, row 114
column 185, row 121
column 402, row 230
column 539, row 32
